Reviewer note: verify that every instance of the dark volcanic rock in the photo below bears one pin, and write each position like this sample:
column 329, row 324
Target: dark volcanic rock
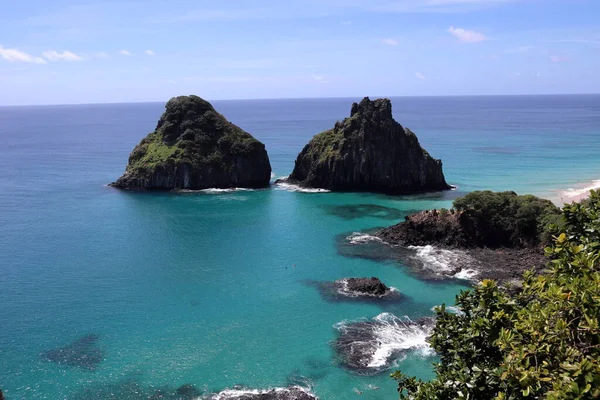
column 369, row 151
column 357, row 289
column 194, row 147
column 497, row 235
column 371, row 346
column 289, row 393
column 82, row 353
column 365, row 286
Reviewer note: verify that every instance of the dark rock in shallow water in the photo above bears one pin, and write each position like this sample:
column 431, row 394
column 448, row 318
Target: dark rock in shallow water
column 370, row 290
column 365, row 287
column 129, row 388
column 289, row 393
column 355, row 211
column 194, row 147
column 82, row 353
column 369, row 151
column 369, row 347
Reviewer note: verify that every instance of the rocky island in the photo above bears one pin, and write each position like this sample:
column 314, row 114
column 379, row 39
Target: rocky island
column 194, row 147
column 369, row 151
column 501, row 233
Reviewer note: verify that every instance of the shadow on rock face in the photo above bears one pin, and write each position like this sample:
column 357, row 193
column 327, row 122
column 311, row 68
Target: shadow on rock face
column 425, row 262
column 355, row 211
column 132, row 389
column 369, row 347
column 82, row 353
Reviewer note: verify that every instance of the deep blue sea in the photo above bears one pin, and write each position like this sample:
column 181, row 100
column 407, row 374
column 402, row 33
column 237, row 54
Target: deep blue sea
column 214, row 289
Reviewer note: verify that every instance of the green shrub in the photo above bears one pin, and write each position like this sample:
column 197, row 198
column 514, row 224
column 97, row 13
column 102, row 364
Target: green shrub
column 542, row 342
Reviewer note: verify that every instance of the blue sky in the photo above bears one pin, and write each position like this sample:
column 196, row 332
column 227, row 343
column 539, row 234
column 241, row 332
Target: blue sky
column 93, row 51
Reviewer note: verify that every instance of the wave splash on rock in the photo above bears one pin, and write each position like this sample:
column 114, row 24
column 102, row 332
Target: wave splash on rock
column 292, row 187
column 288, row 393
column 452, row 263
column 426, row 262
column 371, row 346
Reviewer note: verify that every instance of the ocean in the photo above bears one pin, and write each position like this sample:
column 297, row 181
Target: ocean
column 133, row 293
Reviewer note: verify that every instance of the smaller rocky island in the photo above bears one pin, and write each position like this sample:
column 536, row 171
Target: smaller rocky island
column 503, row 234
column 369, row 151
column 194, row 147
column 356, row 289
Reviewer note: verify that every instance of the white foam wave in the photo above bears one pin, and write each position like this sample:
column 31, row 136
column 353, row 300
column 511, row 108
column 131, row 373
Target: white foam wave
column 359, row 237
column 394, row 334
column 574, row 193
column 233, row 394
column 290, row 187
column 466, row 274
column 391, row 335
column 446, row 262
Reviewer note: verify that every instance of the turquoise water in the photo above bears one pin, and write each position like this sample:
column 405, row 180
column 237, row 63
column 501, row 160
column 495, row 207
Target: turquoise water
column 210, row 289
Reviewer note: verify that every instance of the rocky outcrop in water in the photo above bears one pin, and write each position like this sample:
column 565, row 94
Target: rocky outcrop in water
column 500, row 234
column 357, row 289
column 194, row 147
column 370, row 346
column 289, row 393
column 365, row 287
column 369, row 151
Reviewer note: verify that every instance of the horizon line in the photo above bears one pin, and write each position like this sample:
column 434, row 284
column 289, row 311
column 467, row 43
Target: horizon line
column 297, row 98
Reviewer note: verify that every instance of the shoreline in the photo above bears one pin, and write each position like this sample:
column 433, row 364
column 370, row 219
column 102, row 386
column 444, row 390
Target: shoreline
column 575, row 193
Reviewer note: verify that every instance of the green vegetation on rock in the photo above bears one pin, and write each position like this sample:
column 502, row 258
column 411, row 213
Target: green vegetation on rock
column 540, row 342
column 508, row 219
column 195, row 147
column 368, row 151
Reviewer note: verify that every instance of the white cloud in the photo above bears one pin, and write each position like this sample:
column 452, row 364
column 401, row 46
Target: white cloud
column 14, row 55
column 346, row 23
column 390, row 42
column 465, row 35
column 420, row 76
column 319, row 78
column 150, row 53
column 52, row 55
column 125, row 53
column 558, row 59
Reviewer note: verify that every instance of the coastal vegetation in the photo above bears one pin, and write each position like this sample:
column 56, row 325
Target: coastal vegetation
column 542, row 341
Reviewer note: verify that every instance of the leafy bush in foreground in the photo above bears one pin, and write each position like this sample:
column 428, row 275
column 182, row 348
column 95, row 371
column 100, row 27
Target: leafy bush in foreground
column 542, row 342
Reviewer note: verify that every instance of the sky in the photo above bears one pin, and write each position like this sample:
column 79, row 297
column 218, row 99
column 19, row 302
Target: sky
column 106, row 51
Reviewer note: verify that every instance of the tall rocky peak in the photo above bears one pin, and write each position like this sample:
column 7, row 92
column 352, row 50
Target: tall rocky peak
column 381, row 108
column 195, row 147
column 368, row 151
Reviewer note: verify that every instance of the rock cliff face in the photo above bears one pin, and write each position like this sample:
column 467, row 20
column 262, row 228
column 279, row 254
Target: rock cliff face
column 195, row 147
column 369, row 151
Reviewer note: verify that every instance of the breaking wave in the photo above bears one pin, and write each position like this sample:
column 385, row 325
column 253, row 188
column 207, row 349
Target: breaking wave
column 291, row 187
column 288, row 393
column 371, row 346
column 359, row 238
column 452, row 263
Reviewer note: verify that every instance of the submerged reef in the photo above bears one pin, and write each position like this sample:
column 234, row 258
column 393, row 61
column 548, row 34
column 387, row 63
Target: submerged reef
column 82, row 353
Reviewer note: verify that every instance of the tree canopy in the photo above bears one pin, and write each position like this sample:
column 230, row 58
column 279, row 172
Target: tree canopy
column 540, row 342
